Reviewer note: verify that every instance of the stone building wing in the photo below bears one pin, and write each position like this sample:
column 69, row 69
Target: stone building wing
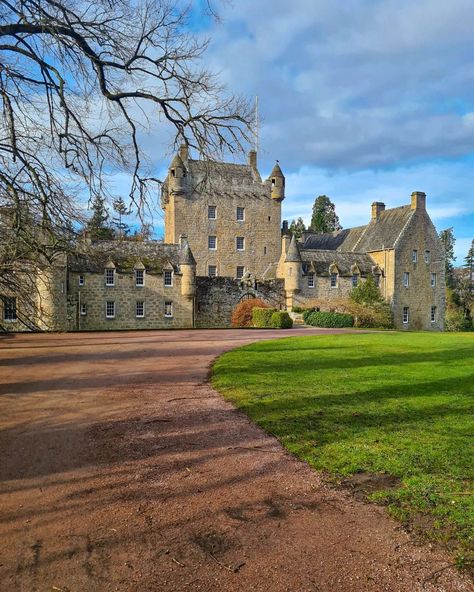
column 321, row 261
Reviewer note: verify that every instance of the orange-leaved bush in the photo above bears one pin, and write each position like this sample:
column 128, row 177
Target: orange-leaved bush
column 242, row 315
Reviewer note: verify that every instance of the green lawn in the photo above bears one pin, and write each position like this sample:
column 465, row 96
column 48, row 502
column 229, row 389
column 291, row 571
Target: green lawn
column 393, row 403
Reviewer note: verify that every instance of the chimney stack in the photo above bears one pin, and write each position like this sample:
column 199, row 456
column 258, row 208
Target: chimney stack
column 252, row 159
column 377, row 207
column 418, row 200
column 183, row 240
column 183, row 152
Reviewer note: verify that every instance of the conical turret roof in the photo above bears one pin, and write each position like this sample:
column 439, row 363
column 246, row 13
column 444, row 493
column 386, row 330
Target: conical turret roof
column 276, row 171
column 187, row 257
column 293, row 254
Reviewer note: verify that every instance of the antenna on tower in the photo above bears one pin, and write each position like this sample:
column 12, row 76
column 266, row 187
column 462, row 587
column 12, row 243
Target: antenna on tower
column 256, row 131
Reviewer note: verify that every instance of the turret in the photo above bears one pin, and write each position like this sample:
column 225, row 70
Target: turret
column 277, row 180
column 292, row 268
column 177, row 175
column 188, row 269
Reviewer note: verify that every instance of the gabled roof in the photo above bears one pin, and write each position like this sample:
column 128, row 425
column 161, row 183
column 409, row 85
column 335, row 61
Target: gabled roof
column 154, row 255
column 322, row 260
column 380, row 233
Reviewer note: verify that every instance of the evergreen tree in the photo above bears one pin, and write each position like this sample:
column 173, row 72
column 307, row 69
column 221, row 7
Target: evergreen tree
column 97, row 225
column 324, row 218
column 448, row 240
column 121, row 210
column 297, row 227
column 469, row 265
column 366, row 292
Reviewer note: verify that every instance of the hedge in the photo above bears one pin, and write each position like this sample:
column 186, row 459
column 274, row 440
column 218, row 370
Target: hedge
column 242, row 315
column 329, row 319
column 261, row 317
column 281, row 320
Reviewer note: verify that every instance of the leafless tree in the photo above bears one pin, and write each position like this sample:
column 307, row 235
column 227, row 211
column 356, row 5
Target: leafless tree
column 79, row 81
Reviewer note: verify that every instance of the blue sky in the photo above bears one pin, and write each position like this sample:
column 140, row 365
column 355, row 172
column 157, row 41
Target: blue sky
column 363, row 100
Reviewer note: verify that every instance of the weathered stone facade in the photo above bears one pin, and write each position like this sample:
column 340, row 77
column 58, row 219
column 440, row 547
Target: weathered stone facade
column 155, row 285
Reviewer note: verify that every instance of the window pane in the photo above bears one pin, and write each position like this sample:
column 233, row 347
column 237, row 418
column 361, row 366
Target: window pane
column 168, row 278
column 212, row 212
column 110, row 309
column 311, row 280
column 139, row 277
column 240, row 272
column 355, row 280
column 240, row 243
column 140, row 312
column 110, row 277
column 168, row 309
column 240, row 214
column 212, row 270
column 212, row 242
column 9, row 309
column 81, row 280
column 333, row 280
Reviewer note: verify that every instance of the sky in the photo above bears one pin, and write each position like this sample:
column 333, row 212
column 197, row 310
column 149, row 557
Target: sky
column 361, row 100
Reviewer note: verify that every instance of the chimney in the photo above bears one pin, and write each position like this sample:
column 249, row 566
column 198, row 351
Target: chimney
column 418, row 200
column 183, row 240
column 284, row 227
column 377, row 207
column 183, row 152
column 252, row 159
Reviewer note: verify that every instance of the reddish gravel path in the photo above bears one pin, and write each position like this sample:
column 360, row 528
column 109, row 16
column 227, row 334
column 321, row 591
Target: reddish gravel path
column 121, row 469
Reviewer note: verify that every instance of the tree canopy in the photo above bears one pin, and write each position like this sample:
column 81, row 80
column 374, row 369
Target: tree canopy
column 297, row 227
column 324, row 217
column 448, row 240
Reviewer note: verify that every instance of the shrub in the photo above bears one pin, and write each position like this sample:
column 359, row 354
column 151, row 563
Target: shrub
column 456, row 321
column 306, row 314
column 366, row 292
column 377, row 315
column 330, row 319
column 298, row 309
column 261, row 317
column 242, row 315
column 281, row 320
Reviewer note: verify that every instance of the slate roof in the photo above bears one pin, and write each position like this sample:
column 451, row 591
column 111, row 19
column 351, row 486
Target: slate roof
column 378, row 234
column 224, row 172
column 293, row 253
column 321, row 260
column 154, row 255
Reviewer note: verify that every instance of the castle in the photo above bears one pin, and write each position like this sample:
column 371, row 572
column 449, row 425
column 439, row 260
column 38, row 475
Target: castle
column 224, row 241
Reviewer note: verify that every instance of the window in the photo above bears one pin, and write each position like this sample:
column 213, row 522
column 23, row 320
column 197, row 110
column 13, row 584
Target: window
column 414, row 255
column 81, row 280
column 110, row 309
column 9, row 309
column 240, row 214
column 406, row 279
column 139, row 277
column 427, row 256
column 406, row 315
column 83, row 310
column 269, row 218
column 273, row 182
column 240, row 243
column 355, row 279
column 239, row 272
column 212, row 271
column 168, row 309
column 212, row 242
column 433, row 280
column 110, row 277
column 310, row 280
column 140, row 309
column 333, row 280
column 168, row 278
column 433, row 314
column 212, row 212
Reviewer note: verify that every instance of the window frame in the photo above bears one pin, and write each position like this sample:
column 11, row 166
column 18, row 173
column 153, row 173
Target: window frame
column 406, row 279
column 406, row 315
column 83, row 309
column 137, row 303
column 237, row 239
column 242, row 210
column 10, row 309
column 137, row 272
column 434, row 314
column 414, row 256
column 355, row 280
column 170, row 303
column 238, row 275
column 107, row 315
column 209, row 217
column 209, row 272
column 311, row 282
column 81, row 280
column 107, row 272
column 434, row 279
column 333, row 279
column 212, row 236
column 168, row 273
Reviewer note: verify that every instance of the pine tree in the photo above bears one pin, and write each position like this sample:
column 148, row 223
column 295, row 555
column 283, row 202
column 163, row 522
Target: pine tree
column 448, row 240
column 324, row 218
column 97, row 225
column 297, row 227
column 120, row 208
column 469, row 265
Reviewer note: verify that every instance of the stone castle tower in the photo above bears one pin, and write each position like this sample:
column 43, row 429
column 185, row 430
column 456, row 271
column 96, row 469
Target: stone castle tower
column 230, row 216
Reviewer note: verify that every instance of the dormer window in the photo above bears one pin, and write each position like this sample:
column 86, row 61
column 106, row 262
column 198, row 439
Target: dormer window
column 110, row 277
column 310, row 280
column 139, row 277
column 355, row 280
column 168, row 278
column 333, row 280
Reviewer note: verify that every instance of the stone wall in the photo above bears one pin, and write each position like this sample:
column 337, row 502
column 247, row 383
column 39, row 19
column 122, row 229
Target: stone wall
column 216, row 299
column 94, row 294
